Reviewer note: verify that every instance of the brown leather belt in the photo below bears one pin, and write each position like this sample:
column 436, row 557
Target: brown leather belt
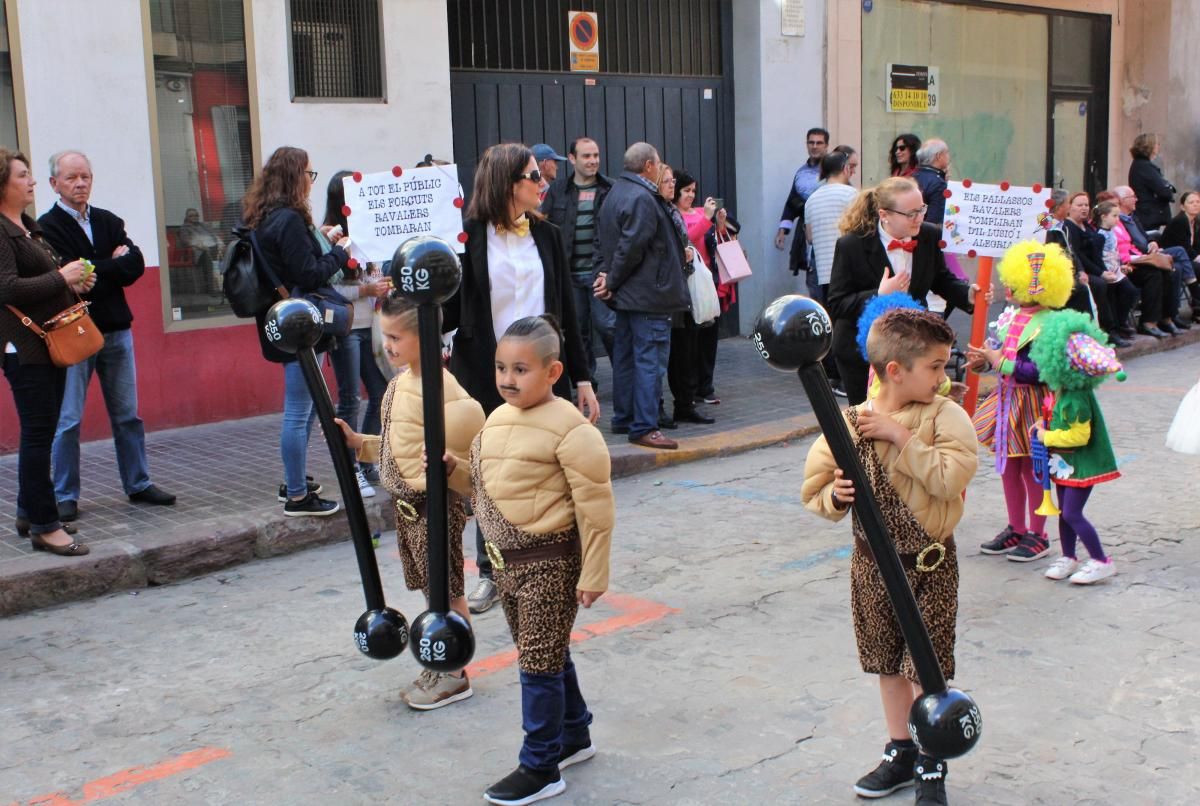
column 504, row 558
column 926, row 560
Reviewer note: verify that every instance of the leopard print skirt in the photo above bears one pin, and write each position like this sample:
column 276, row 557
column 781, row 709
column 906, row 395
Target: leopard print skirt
column 539, row 598
column 881, row 647
column 412, row 525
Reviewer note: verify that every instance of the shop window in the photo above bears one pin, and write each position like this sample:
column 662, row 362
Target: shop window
column 205, row 157
column 992, row 102
column 8, row 109
column 337, row 49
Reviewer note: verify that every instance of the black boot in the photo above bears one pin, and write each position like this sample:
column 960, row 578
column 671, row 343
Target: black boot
column 894, row 772
column 930, row 777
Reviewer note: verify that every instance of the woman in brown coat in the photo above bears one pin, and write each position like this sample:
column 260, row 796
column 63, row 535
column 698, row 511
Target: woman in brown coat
column 32, row 283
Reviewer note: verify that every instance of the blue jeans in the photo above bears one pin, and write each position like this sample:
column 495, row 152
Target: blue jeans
column 353, row 360
column 553, row 714
column 594, row 318
column 298, row 416
column 641, row 346
column 37, row 391
column 118, row 383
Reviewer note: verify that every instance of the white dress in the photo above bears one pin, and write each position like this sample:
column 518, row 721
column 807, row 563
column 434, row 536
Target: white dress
column 1184, row 434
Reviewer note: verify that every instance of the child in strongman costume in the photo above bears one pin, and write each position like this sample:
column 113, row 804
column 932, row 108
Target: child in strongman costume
column 918, row 450
column 543, row 497
column 402, row 472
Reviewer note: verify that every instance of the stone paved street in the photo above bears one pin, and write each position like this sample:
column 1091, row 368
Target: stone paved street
column 721, row 670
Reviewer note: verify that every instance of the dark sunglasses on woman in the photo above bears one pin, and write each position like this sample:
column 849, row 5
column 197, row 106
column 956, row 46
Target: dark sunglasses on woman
column 533, row 176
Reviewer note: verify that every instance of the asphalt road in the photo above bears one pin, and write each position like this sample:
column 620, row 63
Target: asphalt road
column 721, row 670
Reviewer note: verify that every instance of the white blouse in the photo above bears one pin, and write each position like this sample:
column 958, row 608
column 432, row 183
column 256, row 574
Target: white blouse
column 517, row 278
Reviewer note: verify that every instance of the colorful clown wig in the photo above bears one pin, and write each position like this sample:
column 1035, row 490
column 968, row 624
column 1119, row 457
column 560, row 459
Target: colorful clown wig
column 1072, row 352
column 1038, row 274
column 876, row 308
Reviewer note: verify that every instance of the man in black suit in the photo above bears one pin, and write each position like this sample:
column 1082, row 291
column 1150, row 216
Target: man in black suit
column 78, row 230
column 889, row 249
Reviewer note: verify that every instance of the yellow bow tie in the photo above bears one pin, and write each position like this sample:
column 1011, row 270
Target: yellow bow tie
column 520, row 227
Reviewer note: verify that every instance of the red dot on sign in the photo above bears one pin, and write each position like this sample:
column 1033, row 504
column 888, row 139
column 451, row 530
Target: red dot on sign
column 1037, row 188
column 352, row 263
column 971, row 253
column 346, row 210
column 462, row 237
column 966, row 183
column 1004, row 186
column 397, row 170
column 358, row 176
column 941, row 244
column 946, row 193
column 1049, row 204
column 458, row 202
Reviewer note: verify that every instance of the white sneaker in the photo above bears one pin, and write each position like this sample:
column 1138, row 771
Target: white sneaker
column 364, row 486
column 1093, row 571
column 1062, row 568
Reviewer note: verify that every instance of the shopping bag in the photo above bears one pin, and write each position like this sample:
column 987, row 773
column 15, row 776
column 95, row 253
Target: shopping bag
column 706, row 306
column 731, row 262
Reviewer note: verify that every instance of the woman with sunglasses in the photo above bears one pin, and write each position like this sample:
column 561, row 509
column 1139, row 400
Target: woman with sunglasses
column 514, row 266
column 903, row 155
column 886, row 247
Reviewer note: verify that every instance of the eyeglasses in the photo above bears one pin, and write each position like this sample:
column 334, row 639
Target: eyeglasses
column 900, row 147
column 312, row 175
column 533, row 176
column 911, row 215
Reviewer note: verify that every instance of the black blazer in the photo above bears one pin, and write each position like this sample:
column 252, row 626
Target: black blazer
column 109, row 310
column 1178, row 233
column 470, row 311
column 858, row 266
column 1087, row 247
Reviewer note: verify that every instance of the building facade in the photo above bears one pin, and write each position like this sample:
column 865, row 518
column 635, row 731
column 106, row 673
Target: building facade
column 178, row 102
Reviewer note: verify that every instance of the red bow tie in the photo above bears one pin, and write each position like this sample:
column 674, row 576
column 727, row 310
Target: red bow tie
column 907, row 246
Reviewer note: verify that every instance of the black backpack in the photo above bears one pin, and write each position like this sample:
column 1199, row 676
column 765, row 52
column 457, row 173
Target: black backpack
column 247, row 279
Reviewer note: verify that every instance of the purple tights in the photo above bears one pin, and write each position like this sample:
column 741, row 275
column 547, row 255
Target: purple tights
column 1022, row 495
column 1073, row 524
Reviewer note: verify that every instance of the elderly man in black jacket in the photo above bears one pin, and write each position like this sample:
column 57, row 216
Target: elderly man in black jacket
column 639, row 269
column 77, row 230
column 1174, row 280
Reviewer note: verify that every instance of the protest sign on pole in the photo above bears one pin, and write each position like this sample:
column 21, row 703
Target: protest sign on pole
column 385, row 209
column 984, row 220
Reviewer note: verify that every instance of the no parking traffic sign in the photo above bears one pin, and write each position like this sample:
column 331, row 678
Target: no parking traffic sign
column 583, row 30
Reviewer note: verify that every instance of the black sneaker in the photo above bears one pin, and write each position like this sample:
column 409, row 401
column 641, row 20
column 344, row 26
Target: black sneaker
column 575, row 753
column 1002, row 543
column 929, row 774
column 894, row 772
column 310, row 505
column 314, row 487
column 1031, row 547
column 524, row 785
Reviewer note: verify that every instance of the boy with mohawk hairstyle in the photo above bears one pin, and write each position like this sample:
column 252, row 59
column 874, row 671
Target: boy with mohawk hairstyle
column 919, row 452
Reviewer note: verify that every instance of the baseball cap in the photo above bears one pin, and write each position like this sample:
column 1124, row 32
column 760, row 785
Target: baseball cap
column 541, row 151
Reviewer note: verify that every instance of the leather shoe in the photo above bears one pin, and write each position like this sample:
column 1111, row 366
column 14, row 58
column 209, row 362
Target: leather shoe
column 693, row 416
column 72, row 549
column 68, row 511
column 1117, row 340
column 1151, row 330
column 152, row 495
column 1182, row 324
column 22, row 526
column 655, row 439
column 1168, row 328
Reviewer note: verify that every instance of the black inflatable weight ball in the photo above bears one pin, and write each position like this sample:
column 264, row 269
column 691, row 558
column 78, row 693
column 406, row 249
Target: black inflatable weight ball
column 381, row 634
column 442, row 642
column 945, row 724
column 293, row 324
column 426, row 270
column 793, row 331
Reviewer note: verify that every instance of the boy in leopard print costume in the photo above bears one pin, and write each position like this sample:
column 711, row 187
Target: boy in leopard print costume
column 919, row 453
column 543, row 497
column 399, row 451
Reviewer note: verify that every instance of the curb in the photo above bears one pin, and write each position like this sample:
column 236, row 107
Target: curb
column 44, row 580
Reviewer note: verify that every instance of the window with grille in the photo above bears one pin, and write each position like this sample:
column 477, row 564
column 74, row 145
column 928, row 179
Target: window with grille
column 8, row 110
column 205, row 155
column 337, row 49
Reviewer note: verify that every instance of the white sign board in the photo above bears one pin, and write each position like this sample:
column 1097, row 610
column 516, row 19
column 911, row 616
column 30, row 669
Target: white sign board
column 385, row 209
column 984, row 220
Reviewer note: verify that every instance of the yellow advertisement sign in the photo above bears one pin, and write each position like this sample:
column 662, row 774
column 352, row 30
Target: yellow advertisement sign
column 912, row 88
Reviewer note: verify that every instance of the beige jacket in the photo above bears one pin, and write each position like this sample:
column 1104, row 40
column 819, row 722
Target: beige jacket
column 930, row 474
column 405, row 427
column 547, row 469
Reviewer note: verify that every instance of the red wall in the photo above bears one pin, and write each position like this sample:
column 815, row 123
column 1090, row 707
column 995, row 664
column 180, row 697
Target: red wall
column 184, row 378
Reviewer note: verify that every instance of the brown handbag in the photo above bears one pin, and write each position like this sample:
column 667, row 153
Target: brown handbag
column 71, row 337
